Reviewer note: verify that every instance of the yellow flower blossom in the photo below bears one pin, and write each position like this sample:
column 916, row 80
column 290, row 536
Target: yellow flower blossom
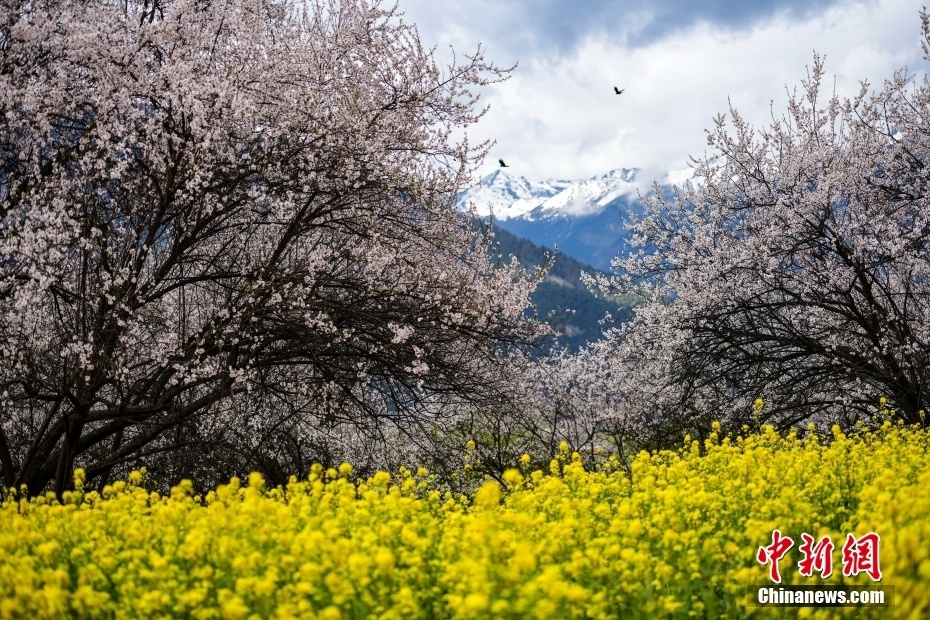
column 677, row 537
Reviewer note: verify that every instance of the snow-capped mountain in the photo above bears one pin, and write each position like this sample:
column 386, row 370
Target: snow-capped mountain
column 583, row 219
column 509, row 196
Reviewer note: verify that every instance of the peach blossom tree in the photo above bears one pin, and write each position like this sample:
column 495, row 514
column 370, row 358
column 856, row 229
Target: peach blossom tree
column 794, row 269
column 227, row 237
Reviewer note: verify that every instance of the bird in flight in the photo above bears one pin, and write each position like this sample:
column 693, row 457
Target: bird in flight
column 503, row 165
column 618, row 90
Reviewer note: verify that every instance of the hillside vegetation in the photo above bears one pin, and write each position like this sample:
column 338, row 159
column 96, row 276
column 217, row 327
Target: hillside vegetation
column 561, row 298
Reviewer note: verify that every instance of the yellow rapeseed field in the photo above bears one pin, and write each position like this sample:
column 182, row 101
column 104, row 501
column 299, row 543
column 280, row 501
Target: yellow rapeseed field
column 678, row 537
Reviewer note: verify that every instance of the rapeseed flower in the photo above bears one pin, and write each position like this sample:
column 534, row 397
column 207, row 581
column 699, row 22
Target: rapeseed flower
column 676, row 538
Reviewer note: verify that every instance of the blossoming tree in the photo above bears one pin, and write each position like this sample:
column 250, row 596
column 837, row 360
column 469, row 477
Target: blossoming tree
column 226, row 230
column 796, row 269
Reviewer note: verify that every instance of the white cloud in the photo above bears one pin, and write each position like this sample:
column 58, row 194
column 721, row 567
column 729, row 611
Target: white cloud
column 559, row 118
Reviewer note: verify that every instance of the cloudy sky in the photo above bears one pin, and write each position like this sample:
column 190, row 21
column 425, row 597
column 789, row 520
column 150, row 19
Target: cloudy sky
column 680, row 62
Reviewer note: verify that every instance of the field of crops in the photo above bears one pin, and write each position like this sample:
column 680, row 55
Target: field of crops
column 679, row 537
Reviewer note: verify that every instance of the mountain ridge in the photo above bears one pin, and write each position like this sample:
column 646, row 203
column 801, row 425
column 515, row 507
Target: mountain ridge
column 506, row 196
column 583, row 219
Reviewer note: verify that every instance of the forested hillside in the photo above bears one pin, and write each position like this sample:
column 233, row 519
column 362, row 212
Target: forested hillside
column 562, row 298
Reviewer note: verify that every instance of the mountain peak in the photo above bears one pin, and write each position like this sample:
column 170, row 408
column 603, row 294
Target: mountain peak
column 509, row 196
column 497, row 177
column 627, row 175
column 505, row 195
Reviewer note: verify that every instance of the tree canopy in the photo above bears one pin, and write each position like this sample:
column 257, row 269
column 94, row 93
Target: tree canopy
column 795, row 270
column 227, row 236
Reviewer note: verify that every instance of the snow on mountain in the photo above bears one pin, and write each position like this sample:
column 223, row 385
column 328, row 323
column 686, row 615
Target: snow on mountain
column 510, row 196
column 590, row 196
column 583, row 219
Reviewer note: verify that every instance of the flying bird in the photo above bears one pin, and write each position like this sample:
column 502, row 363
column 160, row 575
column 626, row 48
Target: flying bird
column 503, row 165
column 619, row 91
